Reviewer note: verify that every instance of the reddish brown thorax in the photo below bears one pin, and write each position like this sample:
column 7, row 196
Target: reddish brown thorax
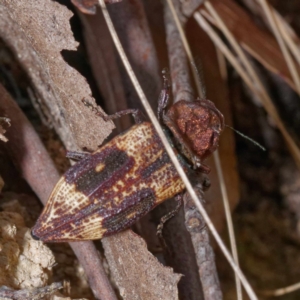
column 197, row 126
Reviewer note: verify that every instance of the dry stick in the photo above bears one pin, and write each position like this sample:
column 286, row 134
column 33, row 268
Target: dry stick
column 282, row 291
column 253, row 80
column 195, row 224
column 222, row 65
column 285, row 31
column 130, row 20
column 230, row 226
column 181, row 81
column 28, row 152
column 205, row 260
column 249, row 83
column 103, row 61
column 170, row 152
column 187, row 49
column 227, row 207
column 281, row 43
column 217, row 163
column 31, row 293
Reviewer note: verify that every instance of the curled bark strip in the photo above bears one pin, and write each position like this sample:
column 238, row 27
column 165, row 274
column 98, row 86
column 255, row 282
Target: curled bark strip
column 59, row 88
column 33, row 294
column 204, row 252
column 29, row 154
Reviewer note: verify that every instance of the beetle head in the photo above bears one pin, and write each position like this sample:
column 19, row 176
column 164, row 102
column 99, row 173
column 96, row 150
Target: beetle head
column 196, row 126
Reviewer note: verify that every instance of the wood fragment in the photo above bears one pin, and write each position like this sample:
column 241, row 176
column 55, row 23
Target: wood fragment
column 33, row 294
column 136, row 272
column 203, row 250
column 58, row 87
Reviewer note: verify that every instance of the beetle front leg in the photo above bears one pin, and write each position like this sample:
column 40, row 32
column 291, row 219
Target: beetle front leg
column 136, row 113
column 164, row 96
column 76, row 155
column 168, row 216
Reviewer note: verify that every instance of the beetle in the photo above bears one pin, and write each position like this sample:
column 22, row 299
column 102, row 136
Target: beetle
column 110, row 189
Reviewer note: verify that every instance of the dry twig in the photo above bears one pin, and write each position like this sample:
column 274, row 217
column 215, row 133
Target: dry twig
column 170, row 151
column 29, row 154
column 33, row 294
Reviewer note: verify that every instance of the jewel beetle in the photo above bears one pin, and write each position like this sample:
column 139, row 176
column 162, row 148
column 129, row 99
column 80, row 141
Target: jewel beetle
column 110, row 189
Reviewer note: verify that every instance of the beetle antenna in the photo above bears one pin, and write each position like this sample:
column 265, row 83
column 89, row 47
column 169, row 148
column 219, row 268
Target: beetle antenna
column 247, row 138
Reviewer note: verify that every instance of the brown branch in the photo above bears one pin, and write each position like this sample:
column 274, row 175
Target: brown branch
column 204, row 252
column 105, row 66
column 131, row 23
column 181, row 80
column 29, row 154
column 182, row 89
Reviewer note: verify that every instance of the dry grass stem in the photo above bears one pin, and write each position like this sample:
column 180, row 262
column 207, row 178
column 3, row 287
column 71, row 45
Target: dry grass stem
column 169, row 150
column 285, row 52
column 215, row 155
column 282, row 291
column 288, row 35
column 253, row 83
column 222, row 64
column 229, row 222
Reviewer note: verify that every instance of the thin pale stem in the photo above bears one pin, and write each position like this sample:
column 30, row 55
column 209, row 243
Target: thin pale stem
column 215, row 155
column 229, row 224
column 170, row 152
column 282, row 291
column 285, row 31
column 252, row 82
column 281, row 43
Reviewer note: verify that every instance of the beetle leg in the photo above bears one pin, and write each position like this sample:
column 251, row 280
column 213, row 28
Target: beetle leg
column 136, row 113
column 76, row 155
column 164, row 96
column 168, row 216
